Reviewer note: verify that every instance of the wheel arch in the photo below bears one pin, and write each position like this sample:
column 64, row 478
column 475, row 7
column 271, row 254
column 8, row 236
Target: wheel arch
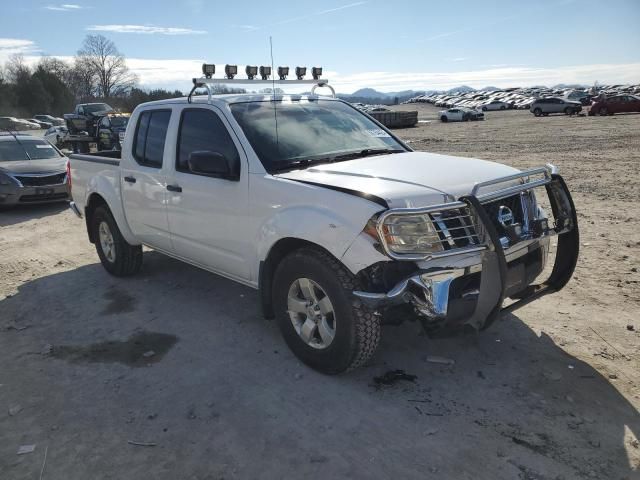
column 277, row 252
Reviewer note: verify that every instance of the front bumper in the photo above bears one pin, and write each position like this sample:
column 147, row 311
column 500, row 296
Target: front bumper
column 20, row 195
column 498, row 270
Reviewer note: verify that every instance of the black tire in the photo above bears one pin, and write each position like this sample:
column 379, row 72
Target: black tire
column 502, row 107
column 537, row 112
column 128, row 258
column 603, row 111
column 357, row 329
column 484, row 109
column 568, row 111
column 444, row 118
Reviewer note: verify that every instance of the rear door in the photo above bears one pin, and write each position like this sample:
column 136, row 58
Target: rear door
column 144, row 179
column 208, row 216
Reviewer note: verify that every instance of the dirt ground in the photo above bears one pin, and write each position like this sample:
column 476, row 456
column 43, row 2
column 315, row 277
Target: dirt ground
column 552, row 392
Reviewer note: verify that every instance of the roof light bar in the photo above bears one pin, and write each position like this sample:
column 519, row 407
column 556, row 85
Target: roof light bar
column 283, row 72
column 316, row 73
column 208, row 69
column 251, row 71
column 301, row 72
column 230, row 71
column 265, row 72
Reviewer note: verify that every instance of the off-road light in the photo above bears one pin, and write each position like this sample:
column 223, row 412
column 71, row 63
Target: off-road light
column 231, row 71
column 265, row 72
column 251, row 72
column 208, row 69
column 301, row 72
column 316, row 73
column 283, row 72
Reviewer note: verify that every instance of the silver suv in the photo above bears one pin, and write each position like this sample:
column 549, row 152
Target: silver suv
column 545, row 106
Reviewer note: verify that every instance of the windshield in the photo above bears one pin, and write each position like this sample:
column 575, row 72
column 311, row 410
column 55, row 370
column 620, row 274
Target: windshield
column 282, row 133
column 119, row 121
column 17, row 150
column 96, row 107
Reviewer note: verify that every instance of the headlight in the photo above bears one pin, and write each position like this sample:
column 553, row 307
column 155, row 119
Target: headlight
column 411, row 234
column 5, row 180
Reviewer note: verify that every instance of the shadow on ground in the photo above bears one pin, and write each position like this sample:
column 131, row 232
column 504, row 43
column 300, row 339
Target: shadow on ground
column 24, row 213
column 228, row 399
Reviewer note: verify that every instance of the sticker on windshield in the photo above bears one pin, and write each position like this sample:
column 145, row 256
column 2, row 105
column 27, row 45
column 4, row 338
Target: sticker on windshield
column 377, row 132
column 44, row 146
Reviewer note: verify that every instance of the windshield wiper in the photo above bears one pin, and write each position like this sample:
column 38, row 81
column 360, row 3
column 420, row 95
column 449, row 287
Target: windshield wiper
column 367, row 152
column 308, row 162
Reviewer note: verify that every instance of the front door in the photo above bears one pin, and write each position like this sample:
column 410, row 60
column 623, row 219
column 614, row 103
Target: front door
column 208, row 215
column 144, row 180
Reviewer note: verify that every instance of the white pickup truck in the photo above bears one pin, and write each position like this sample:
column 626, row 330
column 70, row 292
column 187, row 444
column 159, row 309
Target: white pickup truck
column 337, row 222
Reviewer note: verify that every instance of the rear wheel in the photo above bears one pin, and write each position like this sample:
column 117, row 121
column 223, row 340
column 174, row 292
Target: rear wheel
column 117, row 256
column 324, row 325
column 484, row 109
column 603, row 111
column 502, row 107
column 537, row 112
column 569, row 111
column 444, row 118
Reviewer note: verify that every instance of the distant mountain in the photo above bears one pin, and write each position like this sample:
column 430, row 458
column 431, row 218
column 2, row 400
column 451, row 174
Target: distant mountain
column 461, row 89
column 490, row 89
column 368, row 93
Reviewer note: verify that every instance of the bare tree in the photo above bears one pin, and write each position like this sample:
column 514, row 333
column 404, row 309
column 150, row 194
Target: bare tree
column 107, row 66
column 16, row 68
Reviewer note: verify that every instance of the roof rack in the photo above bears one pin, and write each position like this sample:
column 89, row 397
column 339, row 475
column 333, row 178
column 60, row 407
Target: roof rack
column 208, row 82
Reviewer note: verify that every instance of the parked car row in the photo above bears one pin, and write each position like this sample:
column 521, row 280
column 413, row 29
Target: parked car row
column 38, row 122
column 460, row 114
column 521, row 98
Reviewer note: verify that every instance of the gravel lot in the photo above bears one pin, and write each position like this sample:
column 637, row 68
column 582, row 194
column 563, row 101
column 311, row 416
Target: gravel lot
column 551, row 392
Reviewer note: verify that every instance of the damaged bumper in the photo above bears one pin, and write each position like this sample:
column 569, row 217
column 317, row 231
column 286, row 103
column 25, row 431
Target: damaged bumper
column 502, row 264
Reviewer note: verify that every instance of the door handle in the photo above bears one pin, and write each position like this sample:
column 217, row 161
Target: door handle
column 130, row 179
column 174, row 188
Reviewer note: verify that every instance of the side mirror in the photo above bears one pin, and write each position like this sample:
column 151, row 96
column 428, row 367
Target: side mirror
column 213, row 164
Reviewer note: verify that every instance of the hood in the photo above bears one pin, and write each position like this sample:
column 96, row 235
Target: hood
column 409, row 180
column 48, row 166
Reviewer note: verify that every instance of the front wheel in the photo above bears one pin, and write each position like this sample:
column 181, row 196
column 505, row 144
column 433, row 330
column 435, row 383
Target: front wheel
column 117, row 256
column 603, row 111
column 324, row 325
column 444, row 118
column 537, row 112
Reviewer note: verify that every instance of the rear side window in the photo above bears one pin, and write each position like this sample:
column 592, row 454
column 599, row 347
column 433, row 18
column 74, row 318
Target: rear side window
column 202, row 130
column 151, row 132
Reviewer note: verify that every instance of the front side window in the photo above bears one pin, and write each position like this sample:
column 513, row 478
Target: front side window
column 151, row 133
column 202, row 130
column 286, row 133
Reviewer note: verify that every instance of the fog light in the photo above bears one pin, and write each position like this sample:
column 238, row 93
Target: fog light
column 301, row 72
column 316, row 72
column 251, row 72
column 283, row 72
column 231, row 71
column 265, row 72
column 208, row 69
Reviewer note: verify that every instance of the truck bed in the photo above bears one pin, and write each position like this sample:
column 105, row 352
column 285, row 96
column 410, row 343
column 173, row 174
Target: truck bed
column 90, row 169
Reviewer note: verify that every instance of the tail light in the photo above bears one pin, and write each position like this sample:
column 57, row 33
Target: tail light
column 69, row 174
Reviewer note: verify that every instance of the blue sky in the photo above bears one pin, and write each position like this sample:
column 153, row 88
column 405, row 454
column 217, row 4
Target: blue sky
column 388, row 45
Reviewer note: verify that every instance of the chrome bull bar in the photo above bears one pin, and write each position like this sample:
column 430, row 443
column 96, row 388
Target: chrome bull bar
column 435, row 285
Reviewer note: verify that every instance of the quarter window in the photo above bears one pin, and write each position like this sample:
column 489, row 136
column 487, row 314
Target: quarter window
column 202, row 130
column 151, row 133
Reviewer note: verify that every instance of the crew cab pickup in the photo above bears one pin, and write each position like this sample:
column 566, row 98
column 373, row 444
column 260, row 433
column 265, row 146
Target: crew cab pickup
column 337, row 222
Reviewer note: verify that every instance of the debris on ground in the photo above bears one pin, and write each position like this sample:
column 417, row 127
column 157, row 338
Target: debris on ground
column 47, row 349
column 141, row 444
column 16, row 409
column 148, row 354
column 631, row 328
column 26, row 449
column 394, row 376
column 555, row 376
column 440, row 360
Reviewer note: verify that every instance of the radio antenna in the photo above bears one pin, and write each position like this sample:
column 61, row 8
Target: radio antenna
column 273, row 92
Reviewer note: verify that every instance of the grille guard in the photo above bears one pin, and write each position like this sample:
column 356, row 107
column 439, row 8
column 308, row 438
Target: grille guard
column 494, row 264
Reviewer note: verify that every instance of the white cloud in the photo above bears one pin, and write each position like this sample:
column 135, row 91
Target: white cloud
column 144, row 29
column 65, row 7
column 457, row 59
column 11, row 46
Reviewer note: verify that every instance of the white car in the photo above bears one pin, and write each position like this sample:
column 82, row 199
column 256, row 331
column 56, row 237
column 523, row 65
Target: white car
column 493, row 105
column 334, row 219
column 55, row 135
column 460, row 114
